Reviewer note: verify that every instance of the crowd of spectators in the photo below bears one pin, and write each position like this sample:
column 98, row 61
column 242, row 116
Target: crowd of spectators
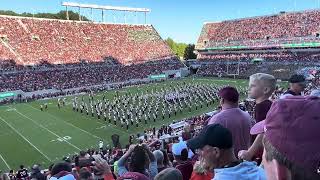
column 262, row 31
column 30, row 41
column 81, row 76
column 213, row 146
column 277, row 57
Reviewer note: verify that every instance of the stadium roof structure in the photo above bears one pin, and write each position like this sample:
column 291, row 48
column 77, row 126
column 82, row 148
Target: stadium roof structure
column 104, row 8
column 94, row 6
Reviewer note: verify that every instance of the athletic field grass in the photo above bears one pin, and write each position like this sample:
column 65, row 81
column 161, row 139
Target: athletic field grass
column 29, row 136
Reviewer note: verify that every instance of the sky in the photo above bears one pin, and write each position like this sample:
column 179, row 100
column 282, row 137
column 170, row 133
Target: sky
column 180, row 20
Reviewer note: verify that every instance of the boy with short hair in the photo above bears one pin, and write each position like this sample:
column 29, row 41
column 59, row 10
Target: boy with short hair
column 261, row 87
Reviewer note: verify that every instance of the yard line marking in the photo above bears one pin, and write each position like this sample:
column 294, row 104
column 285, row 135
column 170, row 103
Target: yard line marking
column 5, row 162
column 15, row 130
column 48, row 130
column 68, row 123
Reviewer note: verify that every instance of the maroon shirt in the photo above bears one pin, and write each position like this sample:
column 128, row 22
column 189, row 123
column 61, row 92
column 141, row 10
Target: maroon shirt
column 261, row 110
column 186, row 169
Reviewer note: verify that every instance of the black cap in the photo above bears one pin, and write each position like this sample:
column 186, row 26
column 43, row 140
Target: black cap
column 297, row 78
column 214, row 135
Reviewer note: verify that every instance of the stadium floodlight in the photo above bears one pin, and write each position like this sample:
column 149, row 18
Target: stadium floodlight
column 103, row 8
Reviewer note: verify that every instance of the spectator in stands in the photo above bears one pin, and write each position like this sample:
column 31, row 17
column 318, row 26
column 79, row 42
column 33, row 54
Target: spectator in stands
column 62, row 170
column 261, row 87
column 85, row 174
column 297, row 86
column 291, row 140
column 36, row 173
column 142, row 163
column 84, row 161
column 159, row 157
column 169, row 174
column 179, row 146
column 233, row 118
column 11, row 175
column 201, row 171
column 216, row 147
column 101, row 168
column 184, row 165
column 22, row 173
column 166, row 161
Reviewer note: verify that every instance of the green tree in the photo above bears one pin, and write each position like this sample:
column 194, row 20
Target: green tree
column 59, row 15
column 188, row 52
column 177, row 48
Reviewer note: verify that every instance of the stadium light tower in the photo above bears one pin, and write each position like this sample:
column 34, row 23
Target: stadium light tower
column 102, row 8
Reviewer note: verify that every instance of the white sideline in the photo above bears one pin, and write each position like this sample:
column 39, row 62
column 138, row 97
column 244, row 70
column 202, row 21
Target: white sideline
column 68, row 123
column 5, row 162
column 48, row 130
column 15, row 130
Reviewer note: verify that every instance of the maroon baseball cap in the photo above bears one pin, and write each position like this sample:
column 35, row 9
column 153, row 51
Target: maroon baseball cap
column 229, row 93
column 292, row 126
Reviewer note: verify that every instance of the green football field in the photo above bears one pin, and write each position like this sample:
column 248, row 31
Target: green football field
column 29, row 136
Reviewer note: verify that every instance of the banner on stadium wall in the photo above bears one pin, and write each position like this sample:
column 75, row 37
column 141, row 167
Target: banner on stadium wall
column 6, row 95
column 159, row 76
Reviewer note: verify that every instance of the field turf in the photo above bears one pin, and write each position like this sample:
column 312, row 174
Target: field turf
column 28, row 135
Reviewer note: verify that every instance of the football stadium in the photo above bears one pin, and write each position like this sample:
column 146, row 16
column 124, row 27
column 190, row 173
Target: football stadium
column 96, row 92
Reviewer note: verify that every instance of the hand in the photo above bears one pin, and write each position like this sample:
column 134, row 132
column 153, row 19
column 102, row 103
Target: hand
column 132, row 146
column 102, row 166
column 245, row 155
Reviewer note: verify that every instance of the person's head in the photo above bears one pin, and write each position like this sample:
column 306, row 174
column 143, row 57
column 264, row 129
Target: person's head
column 35, row 168
column 215, row 145
column 166, row 160
column 159, row 156
column 184, row 154
column 297, row 83
column 82, row 154
column 85, row 174
column 261, row 85
column 229, row 97
column 21, row 166
column 59, row 167
column 169, row 174
column 139, row 160
column 291, row 139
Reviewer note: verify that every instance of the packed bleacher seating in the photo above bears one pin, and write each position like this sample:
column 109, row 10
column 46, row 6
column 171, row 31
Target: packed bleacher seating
column 73, row 76
column 30, row 41
column 262, row 31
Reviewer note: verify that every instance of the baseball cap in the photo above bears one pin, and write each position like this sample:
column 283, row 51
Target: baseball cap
column 214, row 135
column 292, row 127
column 229, row 93
column 297, row 78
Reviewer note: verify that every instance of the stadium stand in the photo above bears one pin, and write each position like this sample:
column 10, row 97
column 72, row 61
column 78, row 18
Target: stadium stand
column 30, row 41
column 73, row 76
column 38, row 54
column 276, row 44
column 258, row 31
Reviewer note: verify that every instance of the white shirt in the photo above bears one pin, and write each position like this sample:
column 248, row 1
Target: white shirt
column 100, row 144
